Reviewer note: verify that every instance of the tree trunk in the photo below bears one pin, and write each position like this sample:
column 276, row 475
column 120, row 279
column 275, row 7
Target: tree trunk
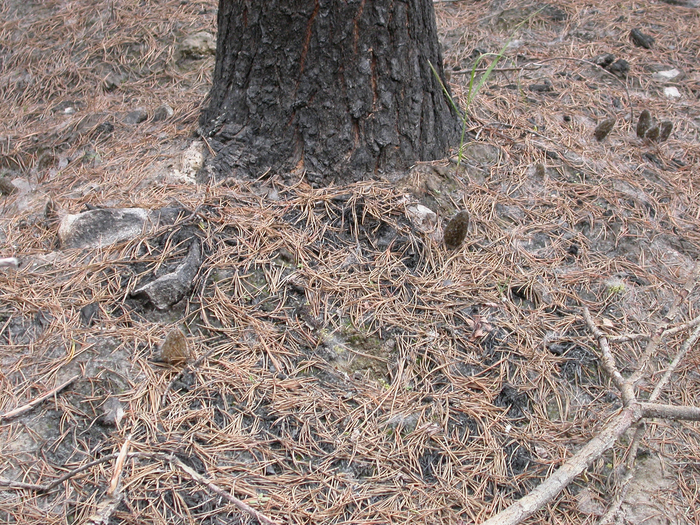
column 341, row 89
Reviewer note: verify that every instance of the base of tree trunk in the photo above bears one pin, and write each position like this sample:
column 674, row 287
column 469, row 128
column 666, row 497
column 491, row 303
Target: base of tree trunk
column 339, row 89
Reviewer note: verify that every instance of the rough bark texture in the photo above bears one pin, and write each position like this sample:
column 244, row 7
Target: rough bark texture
column 340, row 88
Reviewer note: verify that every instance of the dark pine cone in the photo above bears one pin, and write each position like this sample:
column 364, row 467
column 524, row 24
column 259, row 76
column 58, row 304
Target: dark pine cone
column 644, row 123
column 456, row 230
column 603, row 129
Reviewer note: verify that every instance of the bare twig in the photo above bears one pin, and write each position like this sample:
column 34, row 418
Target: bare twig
column 221, row 492
column 686, row 413
column 608, row 361
column 114, row 496
column 25, row 408
column 118, row 468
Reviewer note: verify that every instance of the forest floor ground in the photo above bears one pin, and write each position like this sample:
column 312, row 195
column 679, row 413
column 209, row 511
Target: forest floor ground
column 344, row 367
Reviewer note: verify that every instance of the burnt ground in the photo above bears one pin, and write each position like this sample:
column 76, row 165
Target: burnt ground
column 345, row 367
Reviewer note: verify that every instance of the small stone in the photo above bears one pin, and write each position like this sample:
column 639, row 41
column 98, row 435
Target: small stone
column 644, row 123
column 51, row 211
column 672, row 92
column 198, row 46
column 163, row 112
column 652, row 133
column 136, row 117
column 9, row 262
column 669, row 75
column 603, row 129
column 103, row 129
column 113, row 81
column 456, row 230
column 422, row 217
column 112, row 412
column 641, row 40
column 89, row 314
column 545, row 87
column 175, row 350
column 170, row 288
column 665, row 129
column 102, row 227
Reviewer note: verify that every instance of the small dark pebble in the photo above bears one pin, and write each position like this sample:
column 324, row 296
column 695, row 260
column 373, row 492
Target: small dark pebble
column 456, row 230
column 567, row 118
column 644, row 123
column 665, row 129
column 641, row 40
column 103, row 129
column 620, row 67
column 603, row 129
column 545, row 87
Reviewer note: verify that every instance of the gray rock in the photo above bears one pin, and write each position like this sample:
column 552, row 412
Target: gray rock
column 172, row 287
column 136, row 117
column 103, row 227
column 163, row 112
column 112, row 412
column 198, row 46
column 113, row 81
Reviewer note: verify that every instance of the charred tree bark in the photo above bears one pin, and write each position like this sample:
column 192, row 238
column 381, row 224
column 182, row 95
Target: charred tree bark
column 339, row 88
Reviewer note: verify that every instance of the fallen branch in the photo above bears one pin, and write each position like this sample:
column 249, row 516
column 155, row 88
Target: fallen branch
column 553, row 485
column 114, row 495
column 608, row 360
column 26, row 408
column 632, row 413
column 686, row 413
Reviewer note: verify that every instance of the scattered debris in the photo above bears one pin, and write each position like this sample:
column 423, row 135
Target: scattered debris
column 136, row 116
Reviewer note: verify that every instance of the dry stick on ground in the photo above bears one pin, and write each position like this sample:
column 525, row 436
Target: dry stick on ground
column 114, row 494
column 631, row 414
column 21, row 410
column 71, row 473
column 108, row 506
column 221, row 492
column 662, row 331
